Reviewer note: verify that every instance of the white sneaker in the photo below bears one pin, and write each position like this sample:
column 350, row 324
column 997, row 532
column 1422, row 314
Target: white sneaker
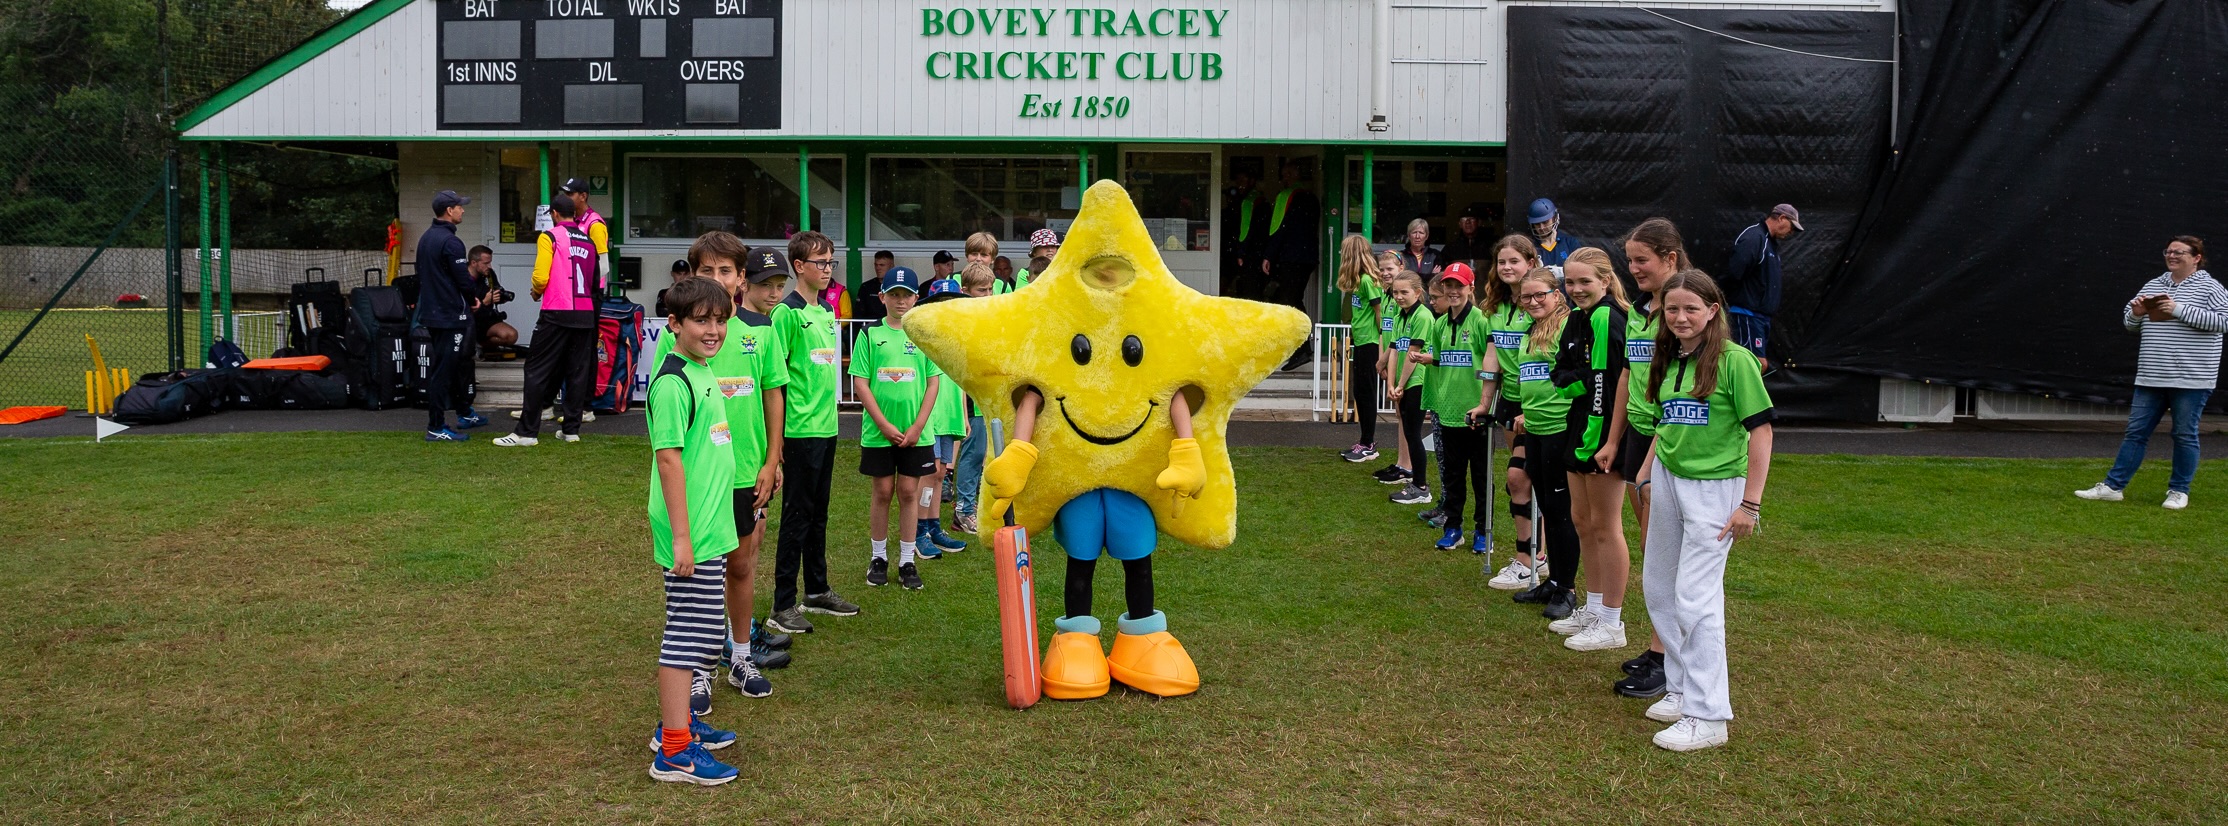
column 568, row 437
column 515, row 440
column 1578, row 620
column 550, row 414
column 1665, row 710
column 2175, row 500
column 1689, row 734
column 1600, row 636
column 2101, row 493
column 1516, row 577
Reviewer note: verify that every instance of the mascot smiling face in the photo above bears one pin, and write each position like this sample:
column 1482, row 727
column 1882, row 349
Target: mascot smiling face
column 1108, row 336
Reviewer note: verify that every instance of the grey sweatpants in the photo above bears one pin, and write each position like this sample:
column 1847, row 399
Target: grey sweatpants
column 1683, row 575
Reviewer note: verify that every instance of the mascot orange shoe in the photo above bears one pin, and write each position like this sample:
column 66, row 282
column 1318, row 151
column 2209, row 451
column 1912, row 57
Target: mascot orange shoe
column 1135, row 376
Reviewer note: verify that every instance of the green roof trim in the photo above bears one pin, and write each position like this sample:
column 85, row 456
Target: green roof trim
column 278, row 67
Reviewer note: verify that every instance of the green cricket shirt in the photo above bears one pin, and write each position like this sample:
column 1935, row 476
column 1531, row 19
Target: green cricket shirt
column 1367, row 304
column 1457, row 345
column 1507, row 324
column 808, row 339
column 1414, row 325
column 897, row 372
column 685, row 412
column 1545, row 410
column 1640, row 353
column 1708, row 438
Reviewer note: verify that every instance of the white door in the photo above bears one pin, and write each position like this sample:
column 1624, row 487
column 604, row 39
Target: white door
column 1177, row 191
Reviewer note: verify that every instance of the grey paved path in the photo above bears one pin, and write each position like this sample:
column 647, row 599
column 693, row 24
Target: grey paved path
column 2058, row 441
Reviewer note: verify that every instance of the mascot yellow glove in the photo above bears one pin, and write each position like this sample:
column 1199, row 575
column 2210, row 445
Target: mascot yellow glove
column 1187, row 470
column 1008, row 474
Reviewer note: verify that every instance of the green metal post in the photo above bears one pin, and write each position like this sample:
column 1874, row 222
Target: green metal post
column 224, row 236
column 544, row 147
column 804, row 188
column 1082, row 169
column 208, row 298
column 174, row 294
column 1369, row 194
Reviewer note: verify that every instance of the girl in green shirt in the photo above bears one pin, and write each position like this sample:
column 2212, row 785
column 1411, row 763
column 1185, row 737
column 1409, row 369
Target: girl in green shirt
column 1411, row 325
column 1365, row 300
column 1542, row 423
column 1712, row 453
column 1513, row 258
column 1653, row 251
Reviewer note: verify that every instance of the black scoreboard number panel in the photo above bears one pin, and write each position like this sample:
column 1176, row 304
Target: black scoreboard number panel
column 548, row 65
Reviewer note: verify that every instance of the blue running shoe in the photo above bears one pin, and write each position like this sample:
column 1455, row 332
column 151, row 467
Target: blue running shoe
column 1481, row 543
column 692, row 765
column 924, row 547
column 711, row 739
column 937, row 536
column 1452, row 538
column 445, row 435
column 470, row 419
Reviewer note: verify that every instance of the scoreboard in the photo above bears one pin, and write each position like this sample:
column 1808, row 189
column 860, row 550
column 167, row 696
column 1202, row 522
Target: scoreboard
column 551, row 65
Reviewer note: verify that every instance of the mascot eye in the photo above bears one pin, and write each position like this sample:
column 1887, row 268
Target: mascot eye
column 1081, row 348
column 1133, row 351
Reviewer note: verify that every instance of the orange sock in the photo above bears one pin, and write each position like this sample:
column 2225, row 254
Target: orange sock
column 674, row 740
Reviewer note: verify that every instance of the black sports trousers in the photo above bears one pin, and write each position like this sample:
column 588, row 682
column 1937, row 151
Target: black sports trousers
column 1411, row 429
column 1547, row 461
column 448, row 384
column 561, row 357
column 807, row 470
column 1464, row 456
column 1361, row 378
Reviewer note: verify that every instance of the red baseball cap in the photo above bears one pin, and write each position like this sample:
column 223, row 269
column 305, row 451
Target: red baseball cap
column 1459, row 273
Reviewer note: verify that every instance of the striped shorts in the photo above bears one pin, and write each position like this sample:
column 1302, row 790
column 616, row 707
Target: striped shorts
column 695, row 617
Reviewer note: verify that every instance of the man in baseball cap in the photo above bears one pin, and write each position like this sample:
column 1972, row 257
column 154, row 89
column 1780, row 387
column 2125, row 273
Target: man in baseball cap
column 1752, row 278
column 1554, row 244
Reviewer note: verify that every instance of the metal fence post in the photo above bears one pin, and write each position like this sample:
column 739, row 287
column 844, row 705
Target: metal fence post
column 224, row 237
column 208, row 298
column 174, row 296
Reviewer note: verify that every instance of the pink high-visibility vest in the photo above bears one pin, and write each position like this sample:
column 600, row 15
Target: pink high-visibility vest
column 574, row 281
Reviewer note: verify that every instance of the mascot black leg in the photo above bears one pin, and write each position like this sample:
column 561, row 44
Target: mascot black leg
column 1137, row 586
column 1080, row 574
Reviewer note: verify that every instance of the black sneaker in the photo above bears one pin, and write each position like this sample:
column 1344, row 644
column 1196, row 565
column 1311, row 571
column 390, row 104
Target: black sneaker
column 829, row 603
column 878, row 572
column 1300, row 357
column 700, row 693
column 1390, row 474
column 768, row 658
column 1560, row 605
column 1412, row 495
column 1535, row 595
column 1646, row 659
column 744, row 676
column 790, row 620
column 760, row 636
column 1435, row 516
column 1645, row 683
column 909, row 576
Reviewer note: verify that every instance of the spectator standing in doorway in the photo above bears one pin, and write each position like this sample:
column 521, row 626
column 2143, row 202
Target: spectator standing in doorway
column 445, row 301
column 1548, row 236
column 2181, row 316
column 1419, row 256
column 567, row 282
column 1244, row 229
column 1469, row 242
column 1294, row 245
column 1752, row 279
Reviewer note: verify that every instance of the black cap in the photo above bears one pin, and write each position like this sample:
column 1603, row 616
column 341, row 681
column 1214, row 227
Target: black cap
column 943, row 257
column 681, row 265
column 765, row 262
column 448, row 198
column 574, row 185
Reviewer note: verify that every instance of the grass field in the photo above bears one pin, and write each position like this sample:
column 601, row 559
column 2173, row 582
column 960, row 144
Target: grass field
column 49, row 366
column 363, row 628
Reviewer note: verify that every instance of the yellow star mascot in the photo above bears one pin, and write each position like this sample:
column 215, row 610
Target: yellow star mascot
column 1118, row 383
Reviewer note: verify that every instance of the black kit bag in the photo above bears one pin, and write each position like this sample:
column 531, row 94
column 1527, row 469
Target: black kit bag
column 378, row 346
column 316, row 317
column 258, row 389
column 164, row 398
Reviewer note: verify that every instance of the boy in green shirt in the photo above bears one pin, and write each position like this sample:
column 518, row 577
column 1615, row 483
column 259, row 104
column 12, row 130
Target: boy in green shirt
column 896, row 384
column 808, row 337
column 947, row 425
column 692, row 529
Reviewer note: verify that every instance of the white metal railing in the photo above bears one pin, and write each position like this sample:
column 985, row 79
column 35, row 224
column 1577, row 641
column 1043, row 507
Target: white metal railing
column 258, row 334
column 1329, row 394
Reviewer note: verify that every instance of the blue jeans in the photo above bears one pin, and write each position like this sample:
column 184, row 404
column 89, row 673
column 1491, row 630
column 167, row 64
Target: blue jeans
column 967, row 479
column 2151, row 404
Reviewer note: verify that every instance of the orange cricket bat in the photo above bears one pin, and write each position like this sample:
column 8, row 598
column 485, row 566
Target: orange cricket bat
column 1017, row 602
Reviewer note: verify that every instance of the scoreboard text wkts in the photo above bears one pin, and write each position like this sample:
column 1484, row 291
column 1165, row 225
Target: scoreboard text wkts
column 549, row 65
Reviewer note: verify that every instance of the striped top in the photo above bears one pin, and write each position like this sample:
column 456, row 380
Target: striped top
column 2185, row 351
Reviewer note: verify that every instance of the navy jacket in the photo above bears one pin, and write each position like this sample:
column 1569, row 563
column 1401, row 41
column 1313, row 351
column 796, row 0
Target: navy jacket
column 444, row 282
column 1299, row 239
column 1752, row 275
